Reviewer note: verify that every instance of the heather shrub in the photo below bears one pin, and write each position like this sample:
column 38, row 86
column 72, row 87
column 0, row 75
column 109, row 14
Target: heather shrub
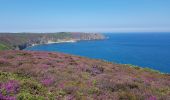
column 85, row 75
column 70, row 89
column 9, row 57
column 79, row 93
column 114, row 86
column 51, row 96
column 125, row 95
column 27, row 71
column 152, row 98
column 94, row 90
column 4, row 76
column 10, row 87
column 28, row 96
column 61, row 93
column 106, row 84
column 95, row 69
column 24, row 54
column 32, row 87
column 62, row 77
column 59, row 61
column 23, row 87
column 2, row 97
column 134, row 66
column 94, row 82
column 151, row 70
column 4, row 62
column 47, row 81
column 163, row 91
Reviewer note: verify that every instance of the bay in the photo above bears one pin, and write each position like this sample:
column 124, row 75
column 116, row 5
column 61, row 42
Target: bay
column 150, row 50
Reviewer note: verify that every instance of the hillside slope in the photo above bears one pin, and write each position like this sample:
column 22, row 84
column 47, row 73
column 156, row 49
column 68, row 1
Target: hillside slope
column 27, row 75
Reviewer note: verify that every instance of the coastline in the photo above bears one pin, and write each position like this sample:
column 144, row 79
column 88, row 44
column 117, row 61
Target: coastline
column 61, row 41
column 52, row 42
column 25, row 40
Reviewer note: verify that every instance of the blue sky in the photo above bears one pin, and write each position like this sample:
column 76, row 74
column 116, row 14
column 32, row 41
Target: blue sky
column 84, row 15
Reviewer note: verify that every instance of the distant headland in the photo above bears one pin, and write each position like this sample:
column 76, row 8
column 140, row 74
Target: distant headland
column 20, row 41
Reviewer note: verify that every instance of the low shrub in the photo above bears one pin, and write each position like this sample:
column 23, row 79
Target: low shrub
column 28, row 96
column 151, row 70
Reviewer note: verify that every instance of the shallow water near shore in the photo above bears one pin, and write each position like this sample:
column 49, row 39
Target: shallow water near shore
column 142, row 49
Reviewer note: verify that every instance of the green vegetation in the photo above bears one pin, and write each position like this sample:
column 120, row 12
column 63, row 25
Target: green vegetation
column 62, row 35
column 152, row 70
column 145, row 69
column 26, row 75
column 3, row 47
column 24, row 88
column 23, row 40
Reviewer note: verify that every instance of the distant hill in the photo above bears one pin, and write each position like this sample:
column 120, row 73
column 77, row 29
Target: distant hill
column 20, row 41
column 26, row 75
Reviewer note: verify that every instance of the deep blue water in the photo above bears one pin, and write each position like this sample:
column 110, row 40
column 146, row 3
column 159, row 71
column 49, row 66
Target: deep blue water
column 145, row 50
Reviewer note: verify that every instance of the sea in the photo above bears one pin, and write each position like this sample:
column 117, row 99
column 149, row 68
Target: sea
column 151, row 50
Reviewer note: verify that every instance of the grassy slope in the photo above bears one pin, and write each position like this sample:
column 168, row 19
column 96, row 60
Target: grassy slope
column 3, row 47
column 10, row 40
column 41, row 75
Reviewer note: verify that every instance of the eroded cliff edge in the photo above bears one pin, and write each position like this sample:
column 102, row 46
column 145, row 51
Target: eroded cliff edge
column 20, row 41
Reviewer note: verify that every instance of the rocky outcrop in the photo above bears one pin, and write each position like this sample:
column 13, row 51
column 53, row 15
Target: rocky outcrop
column 19, row 41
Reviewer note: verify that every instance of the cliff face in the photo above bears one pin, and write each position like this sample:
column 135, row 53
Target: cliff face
column 27, row 75
column 23, row 40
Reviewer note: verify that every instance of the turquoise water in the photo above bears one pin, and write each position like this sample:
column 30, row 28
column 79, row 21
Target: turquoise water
column 141, row 49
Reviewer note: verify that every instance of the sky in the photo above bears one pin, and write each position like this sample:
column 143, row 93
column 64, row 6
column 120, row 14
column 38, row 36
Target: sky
column 85, row 15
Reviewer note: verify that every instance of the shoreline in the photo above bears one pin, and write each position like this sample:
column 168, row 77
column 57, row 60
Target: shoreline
column 52, row 42
column 25, row 40
column 61, row 41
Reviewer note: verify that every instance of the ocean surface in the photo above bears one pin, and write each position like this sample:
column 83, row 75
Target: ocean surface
column 150, row 50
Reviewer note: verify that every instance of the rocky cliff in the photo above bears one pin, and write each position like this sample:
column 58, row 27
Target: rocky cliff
column 22, row 40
